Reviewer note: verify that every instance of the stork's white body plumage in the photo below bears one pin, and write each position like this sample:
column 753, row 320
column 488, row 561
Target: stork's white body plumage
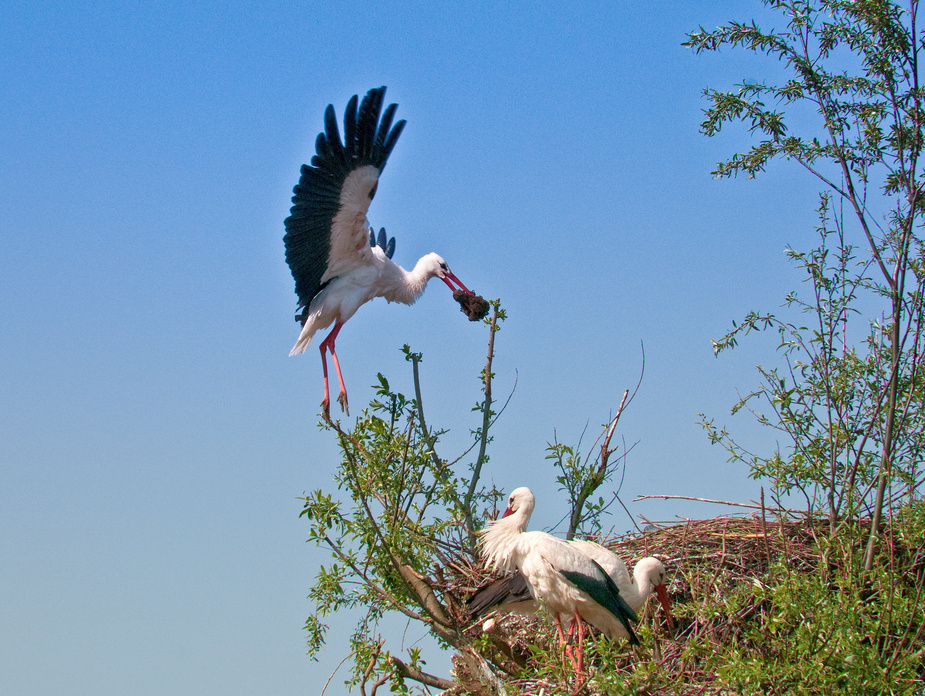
column 328, row 250
column 378, row 277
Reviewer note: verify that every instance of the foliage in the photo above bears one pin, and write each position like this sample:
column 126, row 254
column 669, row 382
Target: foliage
column 580, row 477
column 851, row 637
column 824, row 399
column 402, row 528
column 848, row 396
column 852, row 409
column 402, row 520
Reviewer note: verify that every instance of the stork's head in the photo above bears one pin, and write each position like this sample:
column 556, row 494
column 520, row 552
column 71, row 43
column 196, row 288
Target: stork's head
column 436, row 267
column 653, row 571
column 520, row 501
column 433, row 266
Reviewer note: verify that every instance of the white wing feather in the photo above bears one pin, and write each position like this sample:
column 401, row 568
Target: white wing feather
column 350, row 229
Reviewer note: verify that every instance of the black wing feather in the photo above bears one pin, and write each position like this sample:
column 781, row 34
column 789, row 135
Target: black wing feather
column 388, row 247
column 332, row 134
column 367, row 120
column 390, row 142
column 385, row 124
column 506, row 590
column 316, row 198
column 350, row 126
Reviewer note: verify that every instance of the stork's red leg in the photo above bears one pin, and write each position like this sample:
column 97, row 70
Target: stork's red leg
column 328, row 344
column 326, row 401
column 574, row 652
column 563, row 641
column 342, row 397
column 580, row 666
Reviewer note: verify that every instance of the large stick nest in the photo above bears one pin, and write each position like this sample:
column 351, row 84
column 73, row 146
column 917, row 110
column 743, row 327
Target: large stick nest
column 705, row 560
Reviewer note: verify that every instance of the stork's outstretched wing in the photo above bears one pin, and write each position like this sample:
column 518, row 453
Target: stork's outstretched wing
column 326, row 231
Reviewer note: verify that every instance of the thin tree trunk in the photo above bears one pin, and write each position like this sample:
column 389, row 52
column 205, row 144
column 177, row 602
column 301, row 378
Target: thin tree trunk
column 887, row 456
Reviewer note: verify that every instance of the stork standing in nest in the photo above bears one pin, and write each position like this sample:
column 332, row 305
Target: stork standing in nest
column 567, row 581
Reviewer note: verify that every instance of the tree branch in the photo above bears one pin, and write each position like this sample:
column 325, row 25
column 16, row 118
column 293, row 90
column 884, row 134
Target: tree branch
column 409, row 672
column 753, row 505
column 483, row 434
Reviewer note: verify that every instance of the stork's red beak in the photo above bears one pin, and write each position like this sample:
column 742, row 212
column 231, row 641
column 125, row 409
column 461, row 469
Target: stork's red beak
column 662, row 595
column 507, row 512
column 449, row 279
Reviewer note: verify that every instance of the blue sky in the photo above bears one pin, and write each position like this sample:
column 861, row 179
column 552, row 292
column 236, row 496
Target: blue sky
column 156, row 436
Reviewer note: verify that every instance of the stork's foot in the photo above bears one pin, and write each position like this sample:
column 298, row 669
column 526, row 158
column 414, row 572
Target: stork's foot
column 326, row 408
column 342, row 400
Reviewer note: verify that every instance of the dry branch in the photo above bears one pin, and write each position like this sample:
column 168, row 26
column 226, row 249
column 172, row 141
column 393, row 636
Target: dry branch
column 751, row 504
column 409, row 672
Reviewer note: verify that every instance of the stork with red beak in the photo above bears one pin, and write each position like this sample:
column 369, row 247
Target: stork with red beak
column 561, row 577
column 648, row 576
column 335, row 268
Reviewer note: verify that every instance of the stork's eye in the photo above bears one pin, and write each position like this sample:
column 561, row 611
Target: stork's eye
column 372, row 191
column 444, row 267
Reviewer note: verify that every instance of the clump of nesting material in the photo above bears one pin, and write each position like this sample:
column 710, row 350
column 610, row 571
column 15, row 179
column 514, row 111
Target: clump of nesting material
column 473, row 306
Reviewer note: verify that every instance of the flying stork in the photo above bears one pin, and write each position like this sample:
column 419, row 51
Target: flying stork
column 568, row 582
column 335, row 260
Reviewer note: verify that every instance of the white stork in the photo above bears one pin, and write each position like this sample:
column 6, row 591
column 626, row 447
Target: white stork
column 334, row 260
column 561, row 577
column 511, row 593
column 648, row 576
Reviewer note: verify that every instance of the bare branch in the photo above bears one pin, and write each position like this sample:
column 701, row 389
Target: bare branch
column 409, row 672
column 753, row 505
column 483, row 434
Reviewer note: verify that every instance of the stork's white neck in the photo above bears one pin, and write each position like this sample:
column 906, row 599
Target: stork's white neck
column 642, row 582
column 499, row 541
column 407, row 286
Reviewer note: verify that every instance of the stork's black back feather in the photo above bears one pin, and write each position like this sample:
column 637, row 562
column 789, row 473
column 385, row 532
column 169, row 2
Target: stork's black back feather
column 316, row 199
column 506, row 590
column 605, row 592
